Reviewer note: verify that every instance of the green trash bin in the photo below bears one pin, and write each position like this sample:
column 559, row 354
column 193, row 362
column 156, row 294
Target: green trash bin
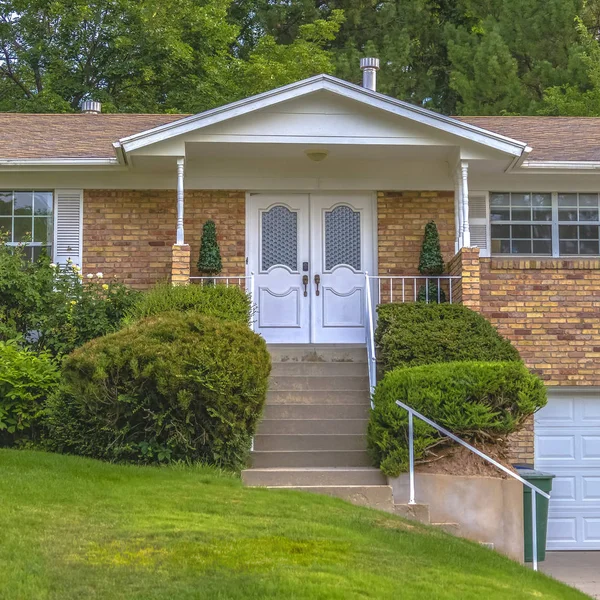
column 544, row 482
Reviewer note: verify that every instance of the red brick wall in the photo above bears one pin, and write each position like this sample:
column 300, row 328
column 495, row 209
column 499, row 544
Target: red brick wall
column 550, row 310
column 401, row 220
column 129, row 234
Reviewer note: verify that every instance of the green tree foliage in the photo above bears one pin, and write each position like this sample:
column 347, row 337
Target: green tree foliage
column 177, row 386
column 209, row 261
column 420, row 334
column 144, row 56
column 478, row 401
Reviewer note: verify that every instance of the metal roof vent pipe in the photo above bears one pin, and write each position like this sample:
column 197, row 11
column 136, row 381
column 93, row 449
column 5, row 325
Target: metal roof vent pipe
column 91, row 107
column 369, row 67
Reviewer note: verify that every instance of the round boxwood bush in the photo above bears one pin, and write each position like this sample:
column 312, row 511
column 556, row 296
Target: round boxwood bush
column 178, row 386
column 475, row 400
column 418, row 334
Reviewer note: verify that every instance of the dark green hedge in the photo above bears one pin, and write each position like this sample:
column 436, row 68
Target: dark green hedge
column 417, row 334
column 474, row 400
column 229, row 303
column 178, row 386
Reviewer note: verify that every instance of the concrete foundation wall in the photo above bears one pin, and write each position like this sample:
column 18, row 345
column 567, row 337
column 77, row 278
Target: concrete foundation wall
column 486, row 509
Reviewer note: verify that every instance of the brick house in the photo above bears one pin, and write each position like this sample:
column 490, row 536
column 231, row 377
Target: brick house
column 330, row 179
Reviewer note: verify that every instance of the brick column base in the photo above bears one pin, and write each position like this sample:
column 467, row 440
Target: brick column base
column 180, row 265
column 466, row 264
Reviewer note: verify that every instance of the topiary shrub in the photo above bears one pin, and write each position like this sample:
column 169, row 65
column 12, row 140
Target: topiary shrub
column 209, row 260
column 229, row 303
column 431, row 262
column 417, row 334
column 475, row 400
column 26, row 379
column 177, row 386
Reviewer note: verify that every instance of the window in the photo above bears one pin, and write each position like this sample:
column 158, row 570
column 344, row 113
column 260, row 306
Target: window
column 545, row 224
column 26, row 217
column 521, row 223
column 578, row 224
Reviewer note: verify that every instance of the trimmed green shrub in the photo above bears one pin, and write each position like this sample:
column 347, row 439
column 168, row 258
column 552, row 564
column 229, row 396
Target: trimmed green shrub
column 177, row 386
column 26, row 379
column 431, row 261
column 474, row 400
column 418, row 334
column 229, row 303
column 209, row 260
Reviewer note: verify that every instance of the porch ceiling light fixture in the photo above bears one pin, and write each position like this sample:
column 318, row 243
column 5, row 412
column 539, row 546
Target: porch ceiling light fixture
column 316, row 154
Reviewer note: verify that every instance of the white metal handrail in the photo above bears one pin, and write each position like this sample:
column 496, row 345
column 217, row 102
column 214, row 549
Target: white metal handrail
column 411, row 460
column 371, row 357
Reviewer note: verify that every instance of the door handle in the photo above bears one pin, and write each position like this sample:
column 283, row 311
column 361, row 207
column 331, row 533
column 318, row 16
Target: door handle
column 305, row 284
column 317, row 281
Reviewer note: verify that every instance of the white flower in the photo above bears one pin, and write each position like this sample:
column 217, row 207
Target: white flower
column 89, row 275
column 53, row 265
column 76, row 268
column 99, row 275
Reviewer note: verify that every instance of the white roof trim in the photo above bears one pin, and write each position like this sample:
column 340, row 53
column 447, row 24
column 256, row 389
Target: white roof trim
column 57, row 164
column 566, row 165
column 333, row 85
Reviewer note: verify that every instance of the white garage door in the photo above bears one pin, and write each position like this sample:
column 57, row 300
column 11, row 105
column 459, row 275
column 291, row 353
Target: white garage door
column 567, row 443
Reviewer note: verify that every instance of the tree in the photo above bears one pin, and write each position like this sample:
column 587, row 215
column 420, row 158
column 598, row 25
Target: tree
column 209, row 261
column 431, row 262
column 142, row 55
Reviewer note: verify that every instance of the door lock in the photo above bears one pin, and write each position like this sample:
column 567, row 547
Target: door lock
column 317, row 281
column 305, row 284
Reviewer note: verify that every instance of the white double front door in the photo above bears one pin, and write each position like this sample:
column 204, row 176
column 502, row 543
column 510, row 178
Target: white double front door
column 309, row 253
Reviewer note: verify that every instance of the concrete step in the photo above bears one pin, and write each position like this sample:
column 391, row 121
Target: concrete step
column 335, row 426
column 413, row 512
column 451, row 528
column 319, row 369
column 374, row 496
column 318, row 353
column 311, row 458
column 308, row 384
column 316, row 412
column 290, row 442
column 320, row 397
column 314, row 476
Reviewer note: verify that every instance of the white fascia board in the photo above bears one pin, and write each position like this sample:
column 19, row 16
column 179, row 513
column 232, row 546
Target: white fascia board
column 56, row 163
column 560, row 165
column 333, row 85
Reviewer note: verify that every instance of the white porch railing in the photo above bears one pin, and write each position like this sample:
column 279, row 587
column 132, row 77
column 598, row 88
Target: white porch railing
column 245, row 282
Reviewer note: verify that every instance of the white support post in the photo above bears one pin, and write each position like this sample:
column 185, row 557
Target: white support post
column 534, row 548
column 411, row 459
column 457, row 212
column 466, row 236
column 180, row 172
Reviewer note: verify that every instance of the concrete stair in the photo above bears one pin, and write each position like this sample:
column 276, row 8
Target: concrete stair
column 313, row 433
column 421, row 514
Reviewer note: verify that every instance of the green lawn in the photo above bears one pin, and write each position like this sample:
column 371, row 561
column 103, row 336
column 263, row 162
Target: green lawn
column 79, row 529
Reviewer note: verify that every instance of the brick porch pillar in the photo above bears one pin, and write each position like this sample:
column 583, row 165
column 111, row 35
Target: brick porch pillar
column 466, row 291
column 180, row 264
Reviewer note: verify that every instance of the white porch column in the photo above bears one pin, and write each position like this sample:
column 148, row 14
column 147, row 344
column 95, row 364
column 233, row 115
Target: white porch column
column 457, row 212
column 466, row 235
column 180, row 172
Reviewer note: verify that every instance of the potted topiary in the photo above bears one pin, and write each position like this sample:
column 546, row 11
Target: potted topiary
column 431, row 262
column 209, row 261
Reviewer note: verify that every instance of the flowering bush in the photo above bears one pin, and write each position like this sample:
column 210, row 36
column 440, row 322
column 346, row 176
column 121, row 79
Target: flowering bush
column 54, row 308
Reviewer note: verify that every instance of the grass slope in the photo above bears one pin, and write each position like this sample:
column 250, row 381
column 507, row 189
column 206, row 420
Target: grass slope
column 72, row 528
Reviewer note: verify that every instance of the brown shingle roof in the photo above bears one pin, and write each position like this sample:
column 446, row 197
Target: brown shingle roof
column 552, row 138
column 92, row 136
column 70, row 135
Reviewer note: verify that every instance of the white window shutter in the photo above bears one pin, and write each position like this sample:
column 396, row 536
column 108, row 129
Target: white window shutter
column 68, row 226
column 479, row 222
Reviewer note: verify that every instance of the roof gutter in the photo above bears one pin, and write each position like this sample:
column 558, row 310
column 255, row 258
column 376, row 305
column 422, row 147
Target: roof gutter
column 56, row 163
